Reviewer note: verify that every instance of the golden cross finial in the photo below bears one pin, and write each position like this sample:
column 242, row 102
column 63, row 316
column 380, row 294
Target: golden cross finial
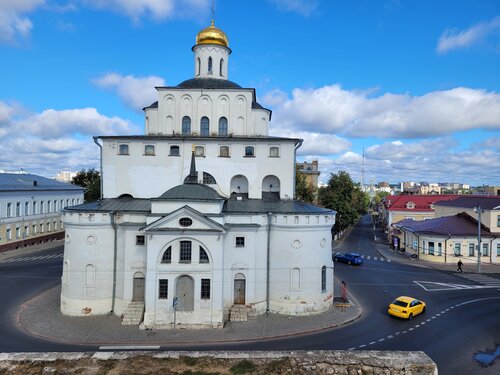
column 193, row 147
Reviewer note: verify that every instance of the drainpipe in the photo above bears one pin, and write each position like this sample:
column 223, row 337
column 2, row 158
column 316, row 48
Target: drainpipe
column 446, row 247
column 297, row 146
column 115, row 253
column 100, row 166
column 269, row 216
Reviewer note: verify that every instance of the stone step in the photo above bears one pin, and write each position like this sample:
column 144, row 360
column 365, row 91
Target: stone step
column 134, row 314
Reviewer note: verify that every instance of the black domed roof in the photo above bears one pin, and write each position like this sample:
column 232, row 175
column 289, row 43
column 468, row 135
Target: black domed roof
column 208, row 83
column 191, row 192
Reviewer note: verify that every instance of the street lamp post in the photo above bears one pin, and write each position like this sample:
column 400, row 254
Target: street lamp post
column 479, row 210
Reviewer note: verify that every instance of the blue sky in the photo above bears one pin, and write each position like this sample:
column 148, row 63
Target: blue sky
column 414, row 83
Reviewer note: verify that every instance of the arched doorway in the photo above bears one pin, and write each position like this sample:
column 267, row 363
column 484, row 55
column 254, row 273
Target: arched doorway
column 270, row 186
column 239, row 184
column 239, row 289
column 138, row 288
column 184, row 291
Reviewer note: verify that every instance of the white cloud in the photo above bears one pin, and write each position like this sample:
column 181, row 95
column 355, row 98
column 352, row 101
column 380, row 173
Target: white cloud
column 456, row 39
column 53, row 140
column 334, row 110
column 157, row 9
column 13, row 22
column 135, row 92
column 303, row 7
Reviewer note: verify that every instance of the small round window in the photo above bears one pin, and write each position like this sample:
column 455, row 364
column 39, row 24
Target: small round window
column 185, row 222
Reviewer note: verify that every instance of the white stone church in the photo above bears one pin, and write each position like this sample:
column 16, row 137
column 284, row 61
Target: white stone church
column 197, row 223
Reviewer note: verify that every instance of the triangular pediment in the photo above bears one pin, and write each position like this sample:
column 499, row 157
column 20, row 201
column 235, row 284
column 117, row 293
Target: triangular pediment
column 185, row 219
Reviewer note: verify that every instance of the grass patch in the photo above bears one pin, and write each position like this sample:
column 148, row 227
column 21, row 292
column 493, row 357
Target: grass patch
column 243, row 367
column 190, row 361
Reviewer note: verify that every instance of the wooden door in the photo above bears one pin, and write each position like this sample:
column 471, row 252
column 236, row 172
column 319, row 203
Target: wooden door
column 185, row 293
column 239, row 291
column 138, row 291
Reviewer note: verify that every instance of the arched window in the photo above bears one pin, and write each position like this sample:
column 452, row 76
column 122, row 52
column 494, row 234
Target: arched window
column 295, row 279
column 209, row 65
column 203, row 256
column 186, row 125
column 223, row 126
column 323, row 279
column 90, row 275
column 198, row 66
column 274, row 152
column 205, row 126
column 221, row 67
column 167, row 255
column 208, row 178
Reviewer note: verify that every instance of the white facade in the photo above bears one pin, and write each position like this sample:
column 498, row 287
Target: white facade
column 199, row 213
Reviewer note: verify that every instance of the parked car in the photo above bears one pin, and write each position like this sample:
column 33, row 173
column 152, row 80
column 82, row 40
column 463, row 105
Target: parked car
column 406, row 307
column 349, row 258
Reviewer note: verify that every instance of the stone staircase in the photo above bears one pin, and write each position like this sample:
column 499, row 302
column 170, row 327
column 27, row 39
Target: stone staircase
column 134, row 314
column 241, row 313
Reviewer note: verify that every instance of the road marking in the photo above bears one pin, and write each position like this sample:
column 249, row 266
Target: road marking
column 382, row 339
column 373, row 342
column 362, row 346
column 129, row 347
column 26, row 259
column 390, row 337
column 351, row 349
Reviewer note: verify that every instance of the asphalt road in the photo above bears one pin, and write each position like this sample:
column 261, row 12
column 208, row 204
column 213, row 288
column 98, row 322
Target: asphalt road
column 458, row 323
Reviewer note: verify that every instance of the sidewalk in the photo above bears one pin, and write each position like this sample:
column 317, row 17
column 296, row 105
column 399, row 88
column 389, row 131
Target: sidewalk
column 41, row 317
column 384, row 249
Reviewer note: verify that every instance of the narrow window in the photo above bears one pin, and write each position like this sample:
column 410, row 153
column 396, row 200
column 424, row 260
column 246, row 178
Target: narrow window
column 240, row 241
column 9, row 209
column 274, row 152
column 123, row 150
column 55, row 205
column 198, row 66
column 485, row 250
column 185, row 254
column 221, row 67
column 26, row 231
column 9, row 234
column 34, row 208
column 295, row 279
column 41, row 228
column 140, row 240
column 209, row 65
column 431, row 248
column 90, row 276
column 174, row 151
column 18, row 208
column 223, row 126
column 163, row 289
column 27, row 208
column 458, row 249
column 205, row 288
column 186, row 125
column 167, row 255
column 34, row 229
column 498, row 220
column 249, row 151
column 323, row 279
column 42, row 207
column 205, row 126
column 18, row 232
column 471, row 249
column 203, row 256
column 199, row 151
column 224, row 151
column 149, row 150
column 498, row 249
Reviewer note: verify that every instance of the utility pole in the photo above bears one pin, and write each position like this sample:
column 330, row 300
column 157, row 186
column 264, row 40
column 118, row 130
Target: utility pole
column 479, row 210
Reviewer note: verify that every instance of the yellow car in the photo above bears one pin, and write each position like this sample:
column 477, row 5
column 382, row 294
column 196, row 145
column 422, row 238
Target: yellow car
column 406, row 307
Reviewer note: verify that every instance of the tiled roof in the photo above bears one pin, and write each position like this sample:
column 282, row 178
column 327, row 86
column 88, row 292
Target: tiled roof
column 32, row 182
column 457, row 225
column 422, row 202
column 471, row 201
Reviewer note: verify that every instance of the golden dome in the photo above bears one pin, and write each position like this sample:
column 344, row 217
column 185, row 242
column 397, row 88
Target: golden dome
column 212, row 35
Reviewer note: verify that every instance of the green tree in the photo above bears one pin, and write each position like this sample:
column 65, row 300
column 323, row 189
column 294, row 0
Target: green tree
column 345, row 197
column 303, row 191
column 89, row 179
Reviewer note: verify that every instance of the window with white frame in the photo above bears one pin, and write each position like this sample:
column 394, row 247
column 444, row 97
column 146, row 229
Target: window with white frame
column 223, row 126
column 224, row 151
column 185, row 252
column 458, row 249
column 18, row 232
column 9, row 234
column 33, row 229
column 174, row 150
column 240, row 241
column 204, row 126
column 123, row 149
column 35, row 209
column 498, row 249
column 9, row 209
column 149, row 150
column 205, row 288
column 472, row 246
column 42, row 207
column 199, row 151
column 18, row 209
column 163, row 289
column 26, row 208
column 186, row 125
column 486, row 249
column 249, row 151
column 274, row 152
